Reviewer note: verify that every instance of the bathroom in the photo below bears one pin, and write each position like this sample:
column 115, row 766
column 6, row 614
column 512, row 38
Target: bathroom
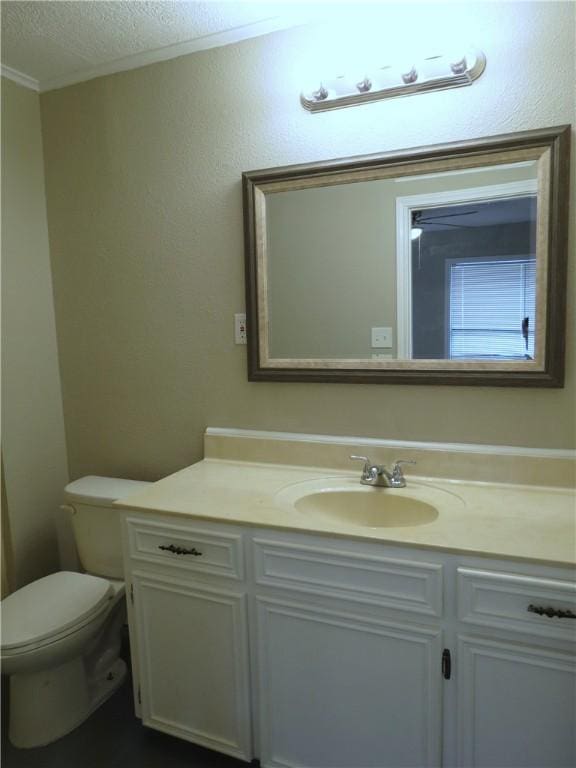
column 123, row 259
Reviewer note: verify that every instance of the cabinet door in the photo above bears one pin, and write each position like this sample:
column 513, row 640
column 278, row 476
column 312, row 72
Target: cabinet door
column 516, row 705
column 193, row 662
column 336, row 690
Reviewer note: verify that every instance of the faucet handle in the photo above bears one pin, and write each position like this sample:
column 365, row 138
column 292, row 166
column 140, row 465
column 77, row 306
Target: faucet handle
column 367, row 464
column 396, row 467
column 398, row 479
column 365, row 459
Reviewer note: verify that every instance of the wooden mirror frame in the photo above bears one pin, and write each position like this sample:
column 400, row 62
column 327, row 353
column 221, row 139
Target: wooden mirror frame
column 549, row 146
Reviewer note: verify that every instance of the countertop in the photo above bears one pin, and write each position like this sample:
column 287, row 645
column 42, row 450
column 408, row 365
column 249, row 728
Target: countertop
column 532, row 523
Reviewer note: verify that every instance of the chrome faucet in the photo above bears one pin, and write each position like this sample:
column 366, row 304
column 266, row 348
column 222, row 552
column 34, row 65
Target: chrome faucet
column 378, row 475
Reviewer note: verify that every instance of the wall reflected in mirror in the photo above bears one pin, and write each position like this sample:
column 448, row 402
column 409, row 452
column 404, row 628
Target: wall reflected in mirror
column 429, row 266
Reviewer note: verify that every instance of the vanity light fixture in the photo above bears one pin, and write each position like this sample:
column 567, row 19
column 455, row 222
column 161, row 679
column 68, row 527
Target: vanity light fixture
column 433, row 73
column 411, row 76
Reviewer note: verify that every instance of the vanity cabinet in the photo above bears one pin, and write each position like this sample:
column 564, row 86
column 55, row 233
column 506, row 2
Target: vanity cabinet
column 516, row 683
column 349, row 647
column 341, row 689
column 324, row 652
column 189, row 634
column 515, row 705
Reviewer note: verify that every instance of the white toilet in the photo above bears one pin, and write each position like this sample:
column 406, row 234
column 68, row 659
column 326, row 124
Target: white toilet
column 61, row 634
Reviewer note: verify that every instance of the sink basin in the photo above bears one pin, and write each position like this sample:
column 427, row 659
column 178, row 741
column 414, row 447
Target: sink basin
column 346, row 502
column 375, row 507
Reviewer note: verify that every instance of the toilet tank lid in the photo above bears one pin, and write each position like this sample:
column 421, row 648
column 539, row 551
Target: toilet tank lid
column 102, row 490
column 50, row 605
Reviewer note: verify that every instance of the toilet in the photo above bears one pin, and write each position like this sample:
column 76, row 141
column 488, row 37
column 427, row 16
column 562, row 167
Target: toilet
column 61, row 634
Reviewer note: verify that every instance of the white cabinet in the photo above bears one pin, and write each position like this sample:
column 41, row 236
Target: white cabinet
column 516, row 705
column 343, row 690
column 316, row 652
column 193, row 663
column 349, row 654
column 516, row 682
column 189, row 637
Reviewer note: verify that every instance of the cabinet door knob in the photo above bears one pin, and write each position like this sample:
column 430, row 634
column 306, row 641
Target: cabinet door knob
column 552, row 613
column 180, row 550
column 446, row 664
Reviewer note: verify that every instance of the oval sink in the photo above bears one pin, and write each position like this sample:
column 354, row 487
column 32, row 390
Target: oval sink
column 376, row 509
column 346, row 502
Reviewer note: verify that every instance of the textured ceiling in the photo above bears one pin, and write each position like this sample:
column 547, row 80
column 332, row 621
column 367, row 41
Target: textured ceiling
column 56, row 43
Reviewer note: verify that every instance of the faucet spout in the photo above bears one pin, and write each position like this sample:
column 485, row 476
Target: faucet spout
column 378, row 476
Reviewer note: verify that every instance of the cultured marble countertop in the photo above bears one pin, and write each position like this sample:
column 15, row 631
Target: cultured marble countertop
column 532, row 523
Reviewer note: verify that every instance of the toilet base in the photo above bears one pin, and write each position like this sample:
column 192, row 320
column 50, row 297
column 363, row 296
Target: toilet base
column 46, row 705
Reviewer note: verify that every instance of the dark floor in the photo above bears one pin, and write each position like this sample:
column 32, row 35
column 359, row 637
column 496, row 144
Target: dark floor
column 114, row 738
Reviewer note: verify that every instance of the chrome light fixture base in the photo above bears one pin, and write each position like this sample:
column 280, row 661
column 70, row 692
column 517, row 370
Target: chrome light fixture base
column 433, row 73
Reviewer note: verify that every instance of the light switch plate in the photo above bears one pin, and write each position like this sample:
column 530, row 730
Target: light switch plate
column 240, row 328
column 382, row 338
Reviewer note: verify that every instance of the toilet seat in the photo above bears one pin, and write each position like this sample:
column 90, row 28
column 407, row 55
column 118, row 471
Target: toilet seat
column 51, row 607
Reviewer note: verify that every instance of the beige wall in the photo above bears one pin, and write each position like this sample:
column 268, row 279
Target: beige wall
column 33, row 445
column 6, row 564
column 145, row 210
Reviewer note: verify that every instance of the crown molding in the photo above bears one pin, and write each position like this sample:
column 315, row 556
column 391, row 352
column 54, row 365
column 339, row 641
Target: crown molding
column 20, row 78
column 135, row 61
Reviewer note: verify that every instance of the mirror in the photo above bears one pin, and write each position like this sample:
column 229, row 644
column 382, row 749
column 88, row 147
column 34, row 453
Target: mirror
column 442, row 265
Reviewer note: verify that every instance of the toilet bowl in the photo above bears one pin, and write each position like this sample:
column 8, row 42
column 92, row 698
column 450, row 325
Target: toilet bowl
column 61, row 634
column 63, row 660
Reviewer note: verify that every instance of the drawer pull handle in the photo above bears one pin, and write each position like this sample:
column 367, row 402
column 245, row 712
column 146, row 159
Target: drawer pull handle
column 180, row 550
column 551, row 612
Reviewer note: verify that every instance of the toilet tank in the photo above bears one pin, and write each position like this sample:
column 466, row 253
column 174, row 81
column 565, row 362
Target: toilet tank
column 96, row 522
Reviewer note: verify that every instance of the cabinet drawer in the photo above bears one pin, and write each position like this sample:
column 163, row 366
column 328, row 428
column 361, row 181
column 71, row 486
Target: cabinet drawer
column 503, row 600
column 189, row 547
column 398, row 584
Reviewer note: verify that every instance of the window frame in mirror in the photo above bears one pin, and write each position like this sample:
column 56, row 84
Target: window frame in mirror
column 550, row 147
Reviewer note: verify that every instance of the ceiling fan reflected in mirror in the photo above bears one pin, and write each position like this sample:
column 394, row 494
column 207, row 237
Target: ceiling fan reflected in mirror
column 420, row 221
